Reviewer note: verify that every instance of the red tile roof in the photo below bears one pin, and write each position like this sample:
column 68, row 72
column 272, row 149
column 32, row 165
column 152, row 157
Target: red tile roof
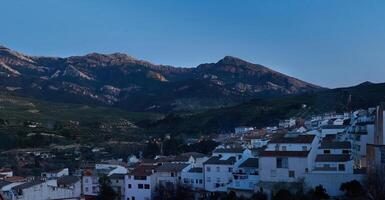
column 332, row 158
column 300, row 139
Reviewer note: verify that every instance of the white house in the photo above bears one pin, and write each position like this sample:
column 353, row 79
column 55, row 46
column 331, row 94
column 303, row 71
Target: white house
column 245, row 178
column 193, row 177
column 118, row 185
column 90, row 179
column 243, row 129
column 333, row 166
column 287, row 158
column 55, row 173
column 65, row 187
column 169, row 175
column 218, row 173
column 332, row 129
column 6, row 172
column 141, row 183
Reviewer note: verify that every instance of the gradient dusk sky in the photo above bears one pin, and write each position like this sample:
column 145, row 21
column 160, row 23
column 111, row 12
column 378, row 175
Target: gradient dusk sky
column 332, row 43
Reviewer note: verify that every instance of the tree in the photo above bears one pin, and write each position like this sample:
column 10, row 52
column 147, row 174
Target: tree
column 231, row 196
column 318, row 193
column 260, row 195
column 151, row 150
column 105, row 190
column 283, row 194
column 375, row 184
column 352, row 189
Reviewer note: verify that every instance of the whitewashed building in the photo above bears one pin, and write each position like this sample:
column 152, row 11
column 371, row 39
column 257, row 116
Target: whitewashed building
column 140, row 183
column 287, row 158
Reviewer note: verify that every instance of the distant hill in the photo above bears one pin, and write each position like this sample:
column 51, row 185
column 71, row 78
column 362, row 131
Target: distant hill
column 122, row 81
column 264, row 112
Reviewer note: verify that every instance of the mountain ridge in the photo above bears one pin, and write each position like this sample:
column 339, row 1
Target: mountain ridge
column 120, row 80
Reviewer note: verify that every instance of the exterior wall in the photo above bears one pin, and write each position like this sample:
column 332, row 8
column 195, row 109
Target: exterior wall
column 118, row 186
column 218, row 177
column 46, row 191
column 7, row 173
column 332, row 151
column 288, row 146
column 194, row 180
column 348, row 167
column 380, row 123
column 166, row 178
column 134, row 191
column 270, row 173
column 257, row 143
column 326, row 132
column 90, row 185
column 48, row 175
column 331, row 181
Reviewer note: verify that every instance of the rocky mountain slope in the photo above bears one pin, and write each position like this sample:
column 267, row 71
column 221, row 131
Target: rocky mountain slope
column 123, row 81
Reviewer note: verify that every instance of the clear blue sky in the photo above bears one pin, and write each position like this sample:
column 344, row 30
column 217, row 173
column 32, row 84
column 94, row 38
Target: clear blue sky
column 332, row 43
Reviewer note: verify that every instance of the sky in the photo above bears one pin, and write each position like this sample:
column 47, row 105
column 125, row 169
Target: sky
column 332, row 43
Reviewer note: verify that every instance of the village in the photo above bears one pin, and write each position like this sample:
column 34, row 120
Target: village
column 323, row 151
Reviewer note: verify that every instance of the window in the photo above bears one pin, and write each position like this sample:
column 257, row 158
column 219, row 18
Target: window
column 132, row 198
column 239, row 157
column 218, row 169
column 146, row 186
column 128, row 198
column 218, row 180
column 304, row 148
column 196, row 181
column 140, row 186
column 341, row 167
column 208, row 169
column 172, row 174
column 283, row 148
column 208, row 179
column 230, row 169
column 129, row 186
column 282, row 163
column 186, row 180
column 327, row 151
column 292, row 174
column 86, row 189
column 273, row 173
column 200, row 181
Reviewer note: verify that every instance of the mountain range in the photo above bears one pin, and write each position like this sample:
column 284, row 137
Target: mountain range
column 122, row 81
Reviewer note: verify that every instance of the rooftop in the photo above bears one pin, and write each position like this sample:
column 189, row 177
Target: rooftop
column 229, row 150
column 250, row 163
column 67, row 180
column 143, row 170
column 216, row 160
column 335, row 145
column 332, row 158
column 28, row 184
column 15, row 179
column 116, row 176
column 330, row 126
column 171, row 167
column 196, row 170
column 298, row 139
